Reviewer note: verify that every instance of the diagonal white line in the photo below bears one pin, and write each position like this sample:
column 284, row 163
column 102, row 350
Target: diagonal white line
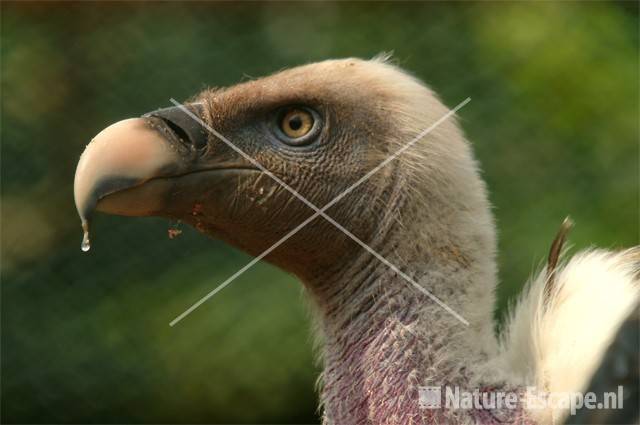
column 243, row 269
column 397, row 270
column 320, row 212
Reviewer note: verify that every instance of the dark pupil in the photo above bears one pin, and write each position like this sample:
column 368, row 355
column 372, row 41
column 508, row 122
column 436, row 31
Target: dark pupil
column 295, row 122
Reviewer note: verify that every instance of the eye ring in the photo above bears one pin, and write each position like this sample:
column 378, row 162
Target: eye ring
column 297, row 125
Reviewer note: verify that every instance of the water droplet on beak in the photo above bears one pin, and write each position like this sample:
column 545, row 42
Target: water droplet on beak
column 86, row 243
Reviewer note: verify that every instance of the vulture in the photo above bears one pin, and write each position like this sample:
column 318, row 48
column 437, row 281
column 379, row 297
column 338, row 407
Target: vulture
column 327, row 171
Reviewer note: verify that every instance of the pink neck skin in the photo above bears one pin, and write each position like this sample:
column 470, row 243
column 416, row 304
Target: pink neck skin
column 382, row 340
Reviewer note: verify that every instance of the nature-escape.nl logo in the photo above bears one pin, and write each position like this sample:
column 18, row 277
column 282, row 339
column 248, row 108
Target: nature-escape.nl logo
column 529, row 398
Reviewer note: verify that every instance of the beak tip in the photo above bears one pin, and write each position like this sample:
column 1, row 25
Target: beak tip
column 121, row 156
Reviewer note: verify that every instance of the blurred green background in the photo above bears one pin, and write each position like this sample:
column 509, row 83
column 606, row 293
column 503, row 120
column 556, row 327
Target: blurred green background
column 85, row 337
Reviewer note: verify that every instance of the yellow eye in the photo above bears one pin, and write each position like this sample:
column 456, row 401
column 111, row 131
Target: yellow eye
column 296, row 123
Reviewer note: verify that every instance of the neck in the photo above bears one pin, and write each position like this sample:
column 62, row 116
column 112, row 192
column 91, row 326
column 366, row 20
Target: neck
column 383, row 338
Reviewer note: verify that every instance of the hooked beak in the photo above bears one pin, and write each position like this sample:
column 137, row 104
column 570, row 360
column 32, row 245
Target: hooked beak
column 129, row 154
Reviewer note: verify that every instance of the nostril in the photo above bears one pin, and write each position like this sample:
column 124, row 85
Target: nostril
column 179, row 131
column 182, row 125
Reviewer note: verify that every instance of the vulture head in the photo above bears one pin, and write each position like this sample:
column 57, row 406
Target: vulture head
column 318, row 128
column 254, row 163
